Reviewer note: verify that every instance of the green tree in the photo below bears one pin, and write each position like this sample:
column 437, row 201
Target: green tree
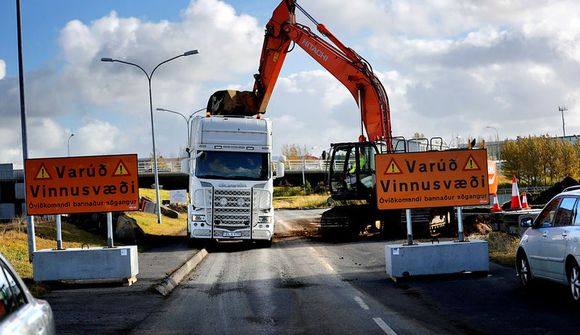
column 540, row 159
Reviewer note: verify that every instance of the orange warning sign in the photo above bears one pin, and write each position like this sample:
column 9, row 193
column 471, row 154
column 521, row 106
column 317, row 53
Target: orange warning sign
column 471, row 165
column 42, row 173
column 432, row 179
column 81, row 184
column 121, row 170
column 393, row 168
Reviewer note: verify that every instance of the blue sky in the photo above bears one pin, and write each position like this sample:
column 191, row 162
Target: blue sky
column 42, row 21
column 453, row 69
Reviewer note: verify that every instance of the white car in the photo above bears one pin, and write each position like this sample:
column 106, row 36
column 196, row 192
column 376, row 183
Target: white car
column 20, row 312
column 550, row 247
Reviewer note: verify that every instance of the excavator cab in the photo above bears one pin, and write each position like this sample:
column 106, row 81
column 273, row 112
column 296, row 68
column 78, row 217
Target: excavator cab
column 352, row 170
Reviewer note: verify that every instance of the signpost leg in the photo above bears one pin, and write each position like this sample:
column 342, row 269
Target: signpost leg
column 409, row 227
column 460, row 224
column 58, row 232
column 110, row 229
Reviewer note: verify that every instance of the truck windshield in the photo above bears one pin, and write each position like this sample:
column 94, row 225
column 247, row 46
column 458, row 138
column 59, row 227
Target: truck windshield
column 232, row 165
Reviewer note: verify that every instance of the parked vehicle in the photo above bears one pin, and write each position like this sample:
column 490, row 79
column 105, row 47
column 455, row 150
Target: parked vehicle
column 20, row 312
column 231, row 179
column 550, row 247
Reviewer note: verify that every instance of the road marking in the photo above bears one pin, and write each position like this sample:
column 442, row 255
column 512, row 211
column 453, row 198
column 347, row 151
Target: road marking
column 323, row 261
column 384, row 326
column 361, row 303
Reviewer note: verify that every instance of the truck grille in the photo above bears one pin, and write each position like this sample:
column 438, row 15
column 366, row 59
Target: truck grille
column 232, row 208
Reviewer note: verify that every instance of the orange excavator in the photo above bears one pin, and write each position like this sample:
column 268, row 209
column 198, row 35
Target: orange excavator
column 341, row 61
column 351, row 168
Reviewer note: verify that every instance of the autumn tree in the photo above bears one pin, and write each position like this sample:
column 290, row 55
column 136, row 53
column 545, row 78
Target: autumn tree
column 540, row 159
column 294, row 151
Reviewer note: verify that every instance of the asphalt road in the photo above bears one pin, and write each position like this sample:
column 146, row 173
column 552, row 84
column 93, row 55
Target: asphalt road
column 308, row 285
column 312, row 286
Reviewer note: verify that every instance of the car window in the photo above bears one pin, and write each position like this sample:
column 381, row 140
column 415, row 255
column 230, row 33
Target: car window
column 12, row 295
column 546, row 217
column 565, row 212
column 5, row 295
column 576, row 220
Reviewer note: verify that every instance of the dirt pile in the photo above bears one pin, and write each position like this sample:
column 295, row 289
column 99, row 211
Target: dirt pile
column 548, row 194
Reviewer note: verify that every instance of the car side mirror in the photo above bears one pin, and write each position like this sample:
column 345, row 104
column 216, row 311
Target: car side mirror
column 526, row 222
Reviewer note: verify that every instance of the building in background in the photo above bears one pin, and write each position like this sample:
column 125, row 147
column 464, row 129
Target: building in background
column 11, row 192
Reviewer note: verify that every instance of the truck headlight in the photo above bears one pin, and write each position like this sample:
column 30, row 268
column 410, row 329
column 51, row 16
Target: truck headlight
column 198, row 217
column 264, row 219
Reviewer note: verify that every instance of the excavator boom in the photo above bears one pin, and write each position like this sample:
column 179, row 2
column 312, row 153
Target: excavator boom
column 341, row 61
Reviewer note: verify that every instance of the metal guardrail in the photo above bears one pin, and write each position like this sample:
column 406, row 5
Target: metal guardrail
column 163, row 166
column 307, row 165
column 174, row 165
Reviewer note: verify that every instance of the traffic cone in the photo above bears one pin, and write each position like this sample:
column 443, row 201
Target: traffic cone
column 525, row 201
column 516, row 203
column 495, row 207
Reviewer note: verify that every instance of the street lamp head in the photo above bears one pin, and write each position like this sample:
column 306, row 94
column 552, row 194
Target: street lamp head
column 72, row 134
column 107, row 59
column 190, row 52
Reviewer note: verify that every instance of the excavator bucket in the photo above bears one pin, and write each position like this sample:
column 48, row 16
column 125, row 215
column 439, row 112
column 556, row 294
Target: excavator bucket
column 232, row 102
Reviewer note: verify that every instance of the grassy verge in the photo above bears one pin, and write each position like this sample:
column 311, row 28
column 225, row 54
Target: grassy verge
column 148, row 221
column 301, row 202
column 502, row 248
column 168, row 226
column 14, row 243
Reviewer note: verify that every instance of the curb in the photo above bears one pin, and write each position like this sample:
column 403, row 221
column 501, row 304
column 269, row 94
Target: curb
column 173, row 280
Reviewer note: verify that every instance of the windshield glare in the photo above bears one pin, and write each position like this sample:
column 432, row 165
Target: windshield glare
column 232, row 165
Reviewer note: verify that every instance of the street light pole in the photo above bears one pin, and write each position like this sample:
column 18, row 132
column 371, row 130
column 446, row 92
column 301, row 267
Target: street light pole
column 187, row 121
column 562, row 109
column 149, row 76
column 496, row 132
column 29, row 219
column 68, row 145
column 496, row 141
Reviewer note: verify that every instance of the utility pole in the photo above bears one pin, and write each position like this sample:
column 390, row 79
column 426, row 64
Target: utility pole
column 29, row 219
column 562, row 109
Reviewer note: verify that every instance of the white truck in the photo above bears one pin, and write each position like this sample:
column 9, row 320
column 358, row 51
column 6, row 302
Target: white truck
column 231, row 179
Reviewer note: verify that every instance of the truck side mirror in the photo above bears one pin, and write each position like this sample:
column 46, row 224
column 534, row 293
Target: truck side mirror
column 323, row 156
column 279, row 170
column 185, row 165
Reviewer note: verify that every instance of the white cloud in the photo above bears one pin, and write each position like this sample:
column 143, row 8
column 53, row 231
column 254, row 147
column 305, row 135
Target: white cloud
column 98, row 137
column 449, row 67
column 114, row 97
column 2, row 69
column 310, row 109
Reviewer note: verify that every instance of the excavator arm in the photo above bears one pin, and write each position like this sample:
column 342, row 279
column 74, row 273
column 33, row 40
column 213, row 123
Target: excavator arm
column 341, row 61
